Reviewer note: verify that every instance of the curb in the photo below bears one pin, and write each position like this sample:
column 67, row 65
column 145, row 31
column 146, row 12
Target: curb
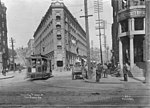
column 7, row 77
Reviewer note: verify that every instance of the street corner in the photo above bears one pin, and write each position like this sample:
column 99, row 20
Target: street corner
column 105, row 80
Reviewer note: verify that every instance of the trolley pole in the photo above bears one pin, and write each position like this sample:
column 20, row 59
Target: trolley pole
column 147, row 41
column 87, row 37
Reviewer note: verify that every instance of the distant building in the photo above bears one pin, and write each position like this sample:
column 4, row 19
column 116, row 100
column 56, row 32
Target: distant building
column 30, row 48
column 60, row 37
column 128, row 32
column 3, row 37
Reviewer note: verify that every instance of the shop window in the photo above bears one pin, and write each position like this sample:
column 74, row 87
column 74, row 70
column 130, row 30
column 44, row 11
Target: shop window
column 124, row 25
column 60, row 63
column 139, row 23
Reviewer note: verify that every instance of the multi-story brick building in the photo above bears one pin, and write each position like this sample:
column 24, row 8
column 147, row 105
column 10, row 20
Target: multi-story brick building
column 60, row 37
column 128, row 32
column 3, row 37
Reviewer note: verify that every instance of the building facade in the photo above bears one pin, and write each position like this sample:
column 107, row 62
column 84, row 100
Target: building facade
column 3, row 37
column 60, row 37
column 30, row 50
column 128, row 33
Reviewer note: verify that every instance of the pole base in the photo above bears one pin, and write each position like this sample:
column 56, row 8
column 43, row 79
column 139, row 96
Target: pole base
column 147, row 77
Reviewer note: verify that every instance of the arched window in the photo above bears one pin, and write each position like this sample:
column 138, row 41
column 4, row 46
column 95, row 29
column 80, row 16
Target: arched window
column 58, row 18
column 58, row 36
column 58, row 26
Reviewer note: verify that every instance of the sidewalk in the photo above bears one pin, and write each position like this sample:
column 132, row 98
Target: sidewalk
column 9, row 74
column 111, row 79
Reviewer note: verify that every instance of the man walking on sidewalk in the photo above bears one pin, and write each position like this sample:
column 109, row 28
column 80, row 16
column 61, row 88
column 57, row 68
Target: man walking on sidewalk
column 125, row 72
column 99, row 69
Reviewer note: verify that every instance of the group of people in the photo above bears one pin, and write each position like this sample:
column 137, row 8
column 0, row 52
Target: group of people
column 101, row 70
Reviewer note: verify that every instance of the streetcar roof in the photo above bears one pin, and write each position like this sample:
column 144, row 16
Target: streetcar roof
column 37, row 57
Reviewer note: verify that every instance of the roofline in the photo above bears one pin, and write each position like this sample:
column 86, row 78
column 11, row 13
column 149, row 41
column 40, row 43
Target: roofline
column 50, row 9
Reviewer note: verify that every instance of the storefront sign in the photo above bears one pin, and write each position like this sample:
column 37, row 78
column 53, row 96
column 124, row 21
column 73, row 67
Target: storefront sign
column 131, row 13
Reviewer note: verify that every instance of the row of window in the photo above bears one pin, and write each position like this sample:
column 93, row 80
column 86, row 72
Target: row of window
column 44, row 43
column 74, row 33
column 58, row 27
column 44, row 21
column 3, row 33
column 42, row 35
column 4, row 42
column 3, row 24
column 71, row 29
column 2, row 15
column 44, row 27
column 73, row 23
column 128, row 3
column 138, row 24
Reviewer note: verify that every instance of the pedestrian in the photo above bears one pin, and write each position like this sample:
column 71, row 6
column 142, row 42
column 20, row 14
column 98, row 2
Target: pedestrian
column 118, row 69
column 20, row 68
column 125, row 72
column 99, row 69
column 105, row 69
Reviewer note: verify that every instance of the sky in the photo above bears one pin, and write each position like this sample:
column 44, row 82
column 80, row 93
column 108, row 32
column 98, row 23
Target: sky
column 24, row 16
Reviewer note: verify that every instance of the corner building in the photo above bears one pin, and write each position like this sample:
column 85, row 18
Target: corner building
column 128, row 34
column 60, row 37
column 3, row 37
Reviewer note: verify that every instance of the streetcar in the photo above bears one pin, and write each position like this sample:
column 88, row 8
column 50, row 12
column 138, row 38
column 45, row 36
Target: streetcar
column 38, row 67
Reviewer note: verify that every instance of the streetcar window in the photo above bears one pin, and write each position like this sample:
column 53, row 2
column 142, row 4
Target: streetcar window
column 34, row 63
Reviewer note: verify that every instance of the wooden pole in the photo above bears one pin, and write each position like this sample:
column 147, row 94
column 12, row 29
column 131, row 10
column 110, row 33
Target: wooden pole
column 13, row 58
column 87, row 37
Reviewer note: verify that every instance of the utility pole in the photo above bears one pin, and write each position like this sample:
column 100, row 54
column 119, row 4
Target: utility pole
column 87, row 37
column 98, row 8
column 13, row 58
column 147, row 41
column 92, row 50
